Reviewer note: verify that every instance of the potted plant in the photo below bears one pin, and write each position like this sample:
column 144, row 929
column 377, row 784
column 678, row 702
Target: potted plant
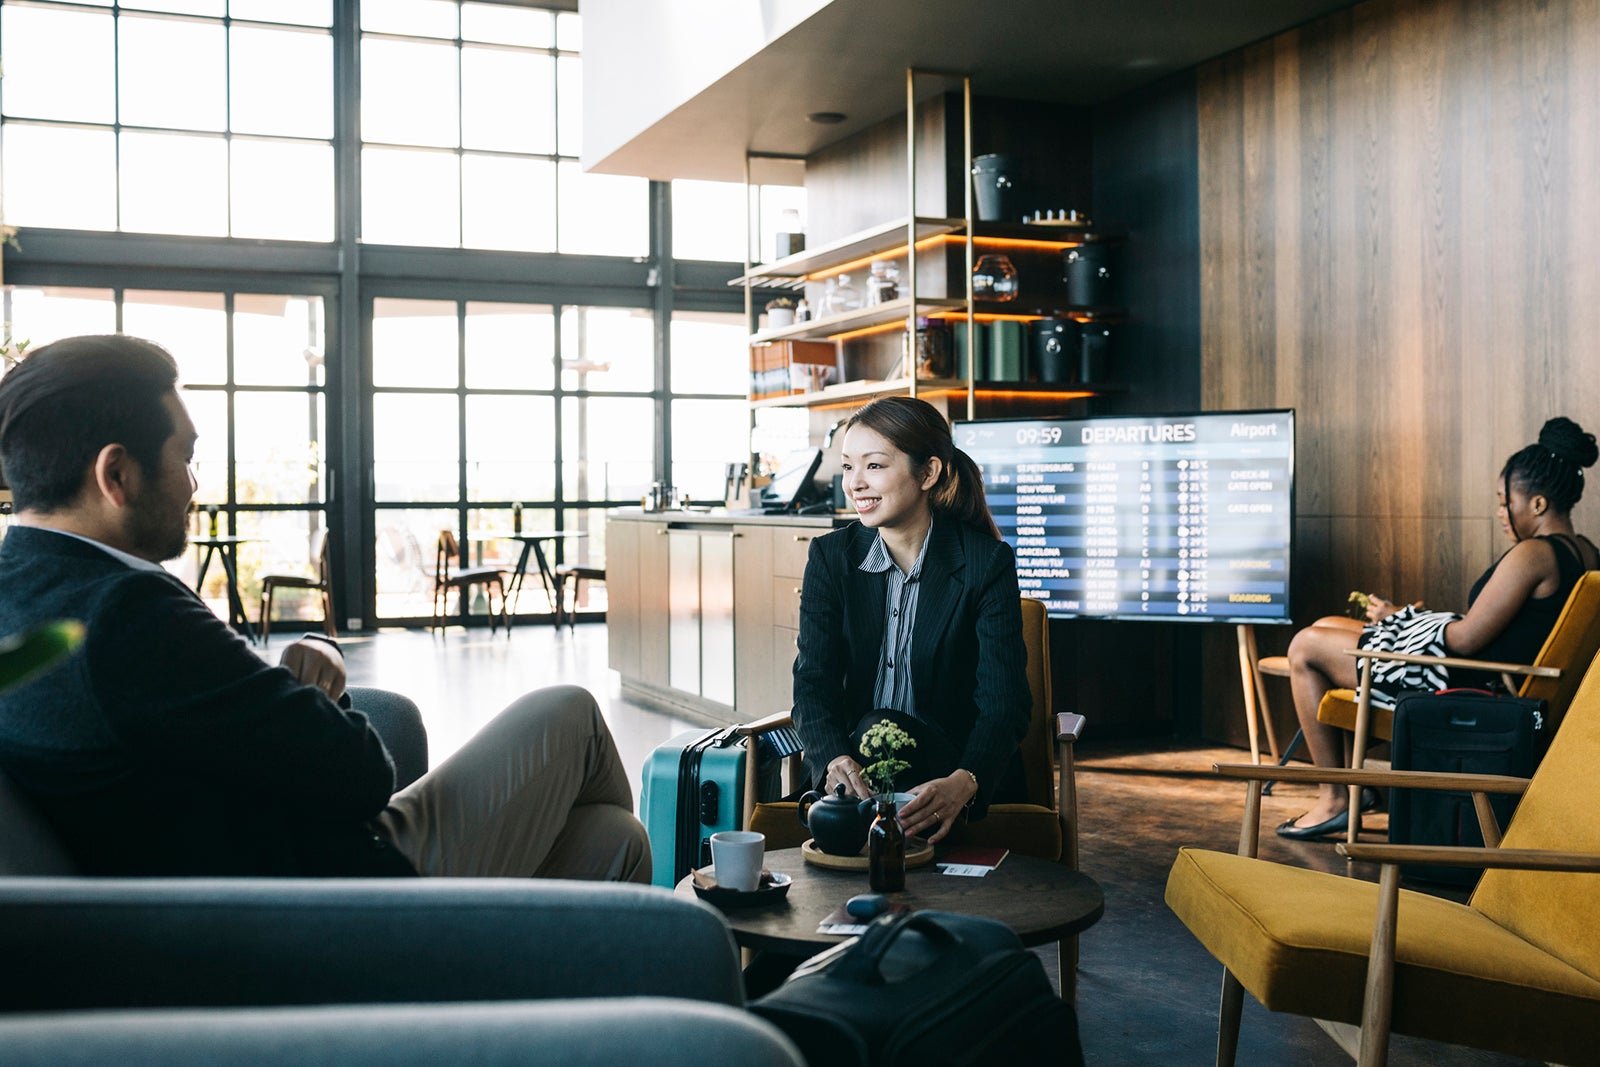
column 780, row 313
column 882, row 743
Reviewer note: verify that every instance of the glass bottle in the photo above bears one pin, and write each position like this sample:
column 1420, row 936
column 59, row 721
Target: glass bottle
column 886, row 850
column 884, row 284
column 802, row 310
column 846, row 297
column 994, row 277
column 933, row 348
column 516, row 517
column 211, row 515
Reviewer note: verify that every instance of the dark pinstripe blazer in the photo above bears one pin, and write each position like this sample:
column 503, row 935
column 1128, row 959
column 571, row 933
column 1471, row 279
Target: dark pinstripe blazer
column 968, row 658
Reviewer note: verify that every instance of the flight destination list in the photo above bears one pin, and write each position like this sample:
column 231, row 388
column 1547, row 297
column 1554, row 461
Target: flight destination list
column 1175, row 517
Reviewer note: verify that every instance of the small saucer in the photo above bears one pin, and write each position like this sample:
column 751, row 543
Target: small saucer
column 773, row 888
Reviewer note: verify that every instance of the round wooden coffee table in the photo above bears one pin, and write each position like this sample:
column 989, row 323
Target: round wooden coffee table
column 1039, row 900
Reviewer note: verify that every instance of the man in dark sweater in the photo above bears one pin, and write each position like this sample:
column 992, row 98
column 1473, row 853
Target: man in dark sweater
column 169, row 747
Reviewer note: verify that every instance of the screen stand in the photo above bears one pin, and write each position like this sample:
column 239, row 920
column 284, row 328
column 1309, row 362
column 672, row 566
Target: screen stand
column 1255, row 694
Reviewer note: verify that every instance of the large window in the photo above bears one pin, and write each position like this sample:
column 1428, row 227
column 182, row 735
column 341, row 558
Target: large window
column 470, row 123
column 251, row 367
column 178, row 120
column 466, row 398
column 708, row 219
column 476, row 355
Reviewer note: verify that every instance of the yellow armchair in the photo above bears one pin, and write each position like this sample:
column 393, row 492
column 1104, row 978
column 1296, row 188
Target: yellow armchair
column 1515, row 970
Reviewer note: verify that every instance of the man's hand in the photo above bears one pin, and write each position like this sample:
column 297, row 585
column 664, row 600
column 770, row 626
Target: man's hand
column 317, row 663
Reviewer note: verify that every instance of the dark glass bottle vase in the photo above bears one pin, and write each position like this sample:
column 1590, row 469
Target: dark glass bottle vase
column 886, row 851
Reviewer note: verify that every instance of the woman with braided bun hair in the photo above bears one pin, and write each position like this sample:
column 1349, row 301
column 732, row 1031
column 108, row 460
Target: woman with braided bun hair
column 1510, row 609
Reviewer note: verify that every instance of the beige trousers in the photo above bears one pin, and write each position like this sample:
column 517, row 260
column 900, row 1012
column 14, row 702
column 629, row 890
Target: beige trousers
column 539, row 792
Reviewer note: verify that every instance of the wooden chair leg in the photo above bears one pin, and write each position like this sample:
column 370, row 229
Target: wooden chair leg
column 266, row 613
column 327, row 614
column 1378, row 1007
column 1228, row 1019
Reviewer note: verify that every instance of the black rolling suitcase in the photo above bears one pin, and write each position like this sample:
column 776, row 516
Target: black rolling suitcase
column 922, row 988
column 1458, row 731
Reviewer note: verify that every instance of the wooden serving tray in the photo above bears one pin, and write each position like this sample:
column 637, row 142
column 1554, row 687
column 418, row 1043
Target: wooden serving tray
column 918, row 853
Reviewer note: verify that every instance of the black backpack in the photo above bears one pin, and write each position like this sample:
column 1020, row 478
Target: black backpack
column 925, row 987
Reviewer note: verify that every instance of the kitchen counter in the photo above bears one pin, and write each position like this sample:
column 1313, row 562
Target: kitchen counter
column 703, row 607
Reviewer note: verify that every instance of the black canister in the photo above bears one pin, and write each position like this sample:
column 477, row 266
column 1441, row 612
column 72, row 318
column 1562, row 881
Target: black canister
column 1054, row 348
column 994, row 184
column 1093, row 276
column 1094, row 352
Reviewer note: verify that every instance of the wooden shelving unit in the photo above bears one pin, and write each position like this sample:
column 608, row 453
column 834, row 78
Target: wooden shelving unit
column 791, row 272
column 860, row 392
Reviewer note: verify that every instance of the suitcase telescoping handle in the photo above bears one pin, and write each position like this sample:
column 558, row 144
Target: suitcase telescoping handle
column 864, row 963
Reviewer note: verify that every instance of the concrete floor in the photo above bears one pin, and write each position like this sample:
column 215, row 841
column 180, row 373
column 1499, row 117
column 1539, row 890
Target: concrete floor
column 1147, row 990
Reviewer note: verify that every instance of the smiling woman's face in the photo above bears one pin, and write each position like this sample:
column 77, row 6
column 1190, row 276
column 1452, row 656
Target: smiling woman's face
column 881, row 484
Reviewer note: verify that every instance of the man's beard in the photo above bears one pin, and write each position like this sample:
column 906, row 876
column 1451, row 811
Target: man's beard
column 158, row 534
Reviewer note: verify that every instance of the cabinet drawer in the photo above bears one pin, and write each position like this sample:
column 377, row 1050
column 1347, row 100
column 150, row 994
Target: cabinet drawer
column 785, row 646
column 789, row 551
column 786, row 602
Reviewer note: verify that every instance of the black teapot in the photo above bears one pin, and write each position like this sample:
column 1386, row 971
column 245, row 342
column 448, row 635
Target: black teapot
column 838, row 823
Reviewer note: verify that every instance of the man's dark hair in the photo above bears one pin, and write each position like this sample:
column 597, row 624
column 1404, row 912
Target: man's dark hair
column 67, row 400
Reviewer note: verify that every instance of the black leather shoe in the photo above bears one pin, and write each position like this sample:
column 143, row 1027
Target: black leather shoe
column 1336, row 825
column 1370, row 800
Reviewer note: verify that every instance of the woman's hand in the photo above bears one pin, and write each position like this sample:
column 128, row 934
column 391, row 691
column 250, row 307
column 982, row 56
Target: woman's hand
column 847, row 772
column 1378, row 608
column 938, row 804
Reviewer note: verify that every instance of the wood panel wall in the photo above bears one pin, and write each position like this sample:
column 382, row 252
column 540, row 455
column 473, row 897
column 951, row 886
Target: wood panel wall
column 1400, row 238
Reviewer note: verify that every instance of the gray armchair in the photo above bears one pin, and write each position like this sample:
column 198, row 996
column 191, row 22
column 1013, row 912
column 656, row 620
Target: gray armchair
column 96, row 966
column 553, row 1033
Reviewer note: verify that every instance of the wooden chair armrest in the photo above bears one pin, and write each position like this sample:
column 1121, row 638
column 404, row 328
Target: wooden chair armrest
column 1456, row 662
column 1522, row 859
column 1069, row 726
column 757, row 727
column 1469, row 783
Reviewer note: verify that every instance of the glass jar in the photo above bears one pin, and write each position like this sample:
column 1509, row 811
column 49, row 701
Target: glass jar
column 994, row 277
column 933, row 348
column 846, row 297
column 884, row 284
column 886, row 850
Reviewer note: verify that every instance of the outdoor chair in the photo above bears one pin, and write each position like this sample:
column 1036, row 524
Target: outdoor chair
column 448, row 550
column 322, row 583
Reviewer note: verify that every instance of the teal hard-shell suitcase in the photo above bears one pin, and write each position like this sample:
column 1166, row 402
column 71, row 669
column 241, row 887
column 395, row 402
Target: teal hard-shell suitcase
column 693, row 788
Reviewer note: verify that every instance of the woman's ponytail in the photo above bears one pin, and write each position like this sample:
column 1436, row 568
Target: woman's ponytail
column 959, row 494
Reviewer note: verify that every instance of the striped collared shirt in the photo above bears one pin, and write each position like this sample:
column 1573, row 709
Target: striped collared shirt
column 893, row 688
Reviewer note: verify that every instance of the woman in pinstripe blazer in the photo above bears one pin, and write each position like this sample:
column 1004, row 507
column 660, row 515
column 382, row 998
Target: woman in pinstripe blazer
column 912, row 613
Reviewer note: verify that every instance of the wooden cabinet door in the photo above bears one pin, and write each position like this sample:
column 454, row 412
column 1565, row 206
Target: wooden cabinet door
column 716, row 615
column 755, row 692
column 683, row 610
column 622, row 596
column 653, row 604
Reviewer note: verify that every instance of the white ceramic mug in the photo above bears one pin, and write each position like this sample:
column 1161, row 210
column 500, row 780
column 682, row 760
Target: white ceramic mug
column 736, row 859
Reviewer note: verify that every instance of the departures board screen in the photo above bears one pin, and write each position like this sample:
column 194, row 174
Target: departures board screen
column 1182, row 518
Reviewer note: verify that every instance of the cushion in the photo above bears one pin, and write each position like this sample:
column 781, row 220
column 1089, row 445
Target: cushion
column 780, row 821
column 1298, row 941
column 1026, row 829
column 1556, row 910
column 1338, row 708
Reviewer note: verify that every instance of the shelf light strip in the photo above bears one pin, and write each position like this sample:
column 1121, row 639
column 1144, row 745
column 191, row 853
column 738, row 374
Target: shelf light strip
column 1016, row 244
column 986, row 394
